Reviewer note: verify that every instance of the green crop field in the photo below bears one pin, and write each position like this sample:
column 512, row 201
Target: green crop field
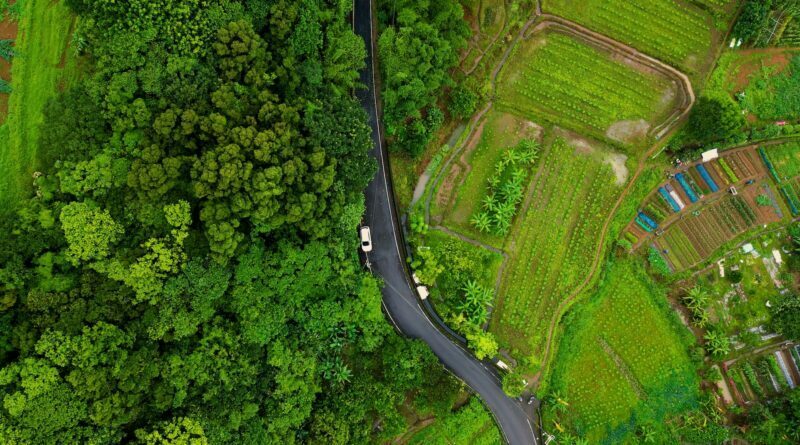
column 471, row 424
column 675, row 32
column 44, row 64
column 500, row 131
column 565, row 81
column 555, row 243
column 622, row 359
column 786, row 159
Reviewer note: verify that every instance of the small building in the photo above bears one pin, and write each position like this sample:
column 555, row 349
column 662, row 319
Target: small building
column 710, row 155
column 776, row 255
column 748, row 248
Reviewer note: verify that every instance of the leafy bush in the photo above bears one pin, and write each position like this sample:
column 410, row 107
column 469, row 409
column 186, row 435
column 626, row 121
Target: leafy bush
column 752, row 21
column 785, row 316
column 462, row 102
column 513, row 384
column 658, row 263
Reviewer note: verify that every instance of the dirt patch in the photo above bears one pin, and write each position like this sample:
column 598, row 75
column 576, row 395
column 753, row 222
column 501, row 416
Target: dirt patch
column 8, row 30
column 668, row 97
column 617, row 163
column 586, row 148
column 628, row 131
column 778, row 61
column 444, row 195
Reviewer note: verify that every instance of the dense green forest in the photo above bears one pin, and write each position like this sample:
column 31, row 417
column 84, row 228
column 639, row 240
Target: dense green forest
column 187, row 270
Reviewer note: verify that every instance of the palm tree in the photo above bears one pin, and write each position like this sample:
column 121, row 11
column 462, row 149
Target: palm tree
column 718, row 343
column 481, row 221
column 696, row 298
column 700, row 318
column 558, row 402
column 490, row 203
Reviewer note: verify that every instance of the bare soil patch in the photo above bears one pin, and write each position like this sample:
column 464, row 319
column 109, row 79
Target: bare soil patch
column 776, row 60
column 628, row 131
column 8, row 30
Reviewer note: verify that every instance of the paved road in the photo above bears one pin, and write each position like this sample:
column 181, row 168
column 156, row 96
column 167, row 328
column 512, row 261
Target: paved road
column 387, row 258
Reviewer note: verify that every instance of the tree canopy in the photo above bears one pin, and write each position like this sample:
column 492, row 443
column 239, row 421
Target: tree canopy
column 187, row 271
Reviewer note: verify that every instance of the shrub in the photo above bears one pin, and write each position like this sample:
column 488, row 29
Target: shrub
column 513, row 384
column 462, row 102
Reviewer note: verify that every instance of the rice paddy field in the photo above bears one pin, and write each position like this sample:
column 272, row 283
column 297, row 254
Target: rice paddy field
column 557, row 78
column 623, row 360
column 553, row 244
column 44, row 64
column 677, row 32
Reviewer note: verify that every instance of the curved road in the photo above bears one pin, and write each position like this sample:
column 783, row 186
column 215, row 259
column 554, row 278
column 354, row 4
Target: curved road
column 388, row 261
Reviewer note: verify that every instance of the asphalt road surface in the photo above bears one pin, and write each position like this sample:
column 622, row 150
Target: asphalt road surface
column 388, row 262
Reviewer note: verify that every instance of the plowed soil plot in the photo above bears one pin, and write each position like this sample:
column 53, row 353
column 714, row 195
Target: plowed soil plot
column 8, row 31
column 765, row 213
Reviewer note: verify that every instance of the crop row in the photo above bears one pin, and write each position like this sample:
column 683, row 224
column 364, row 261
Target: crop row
column 555, row 244
column 664, row 28
column 571, row 82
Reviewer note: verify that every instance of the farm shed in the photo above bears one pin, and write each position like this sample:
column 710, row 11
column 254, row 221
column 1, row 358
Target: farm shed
column 710, row 155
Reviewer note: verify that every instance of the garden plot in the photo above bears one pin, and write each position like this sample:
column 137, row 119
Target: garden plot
column 45, row 65
column 690, row 188
column 786, row 159
column 675, row 32
column 610, row 388
column 696, row 236
column 560, row 78
column 553, row 243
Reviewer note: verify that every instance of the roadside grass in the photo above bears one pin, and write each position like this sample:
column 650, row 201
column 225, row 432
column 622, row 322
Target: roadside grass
column 554, row 243
column 560, row 79
column 470, row 424
column 623, row 359
column 677, row 33
column 463, row 261
column 501, row 131
column 43, row 65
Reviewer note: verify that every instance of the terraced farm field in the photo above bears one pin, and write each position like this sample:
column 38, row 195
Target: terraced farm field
column 673, row 31
column 560, row 79
column 464, row 188
column 554, row 243
column 609, row 370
